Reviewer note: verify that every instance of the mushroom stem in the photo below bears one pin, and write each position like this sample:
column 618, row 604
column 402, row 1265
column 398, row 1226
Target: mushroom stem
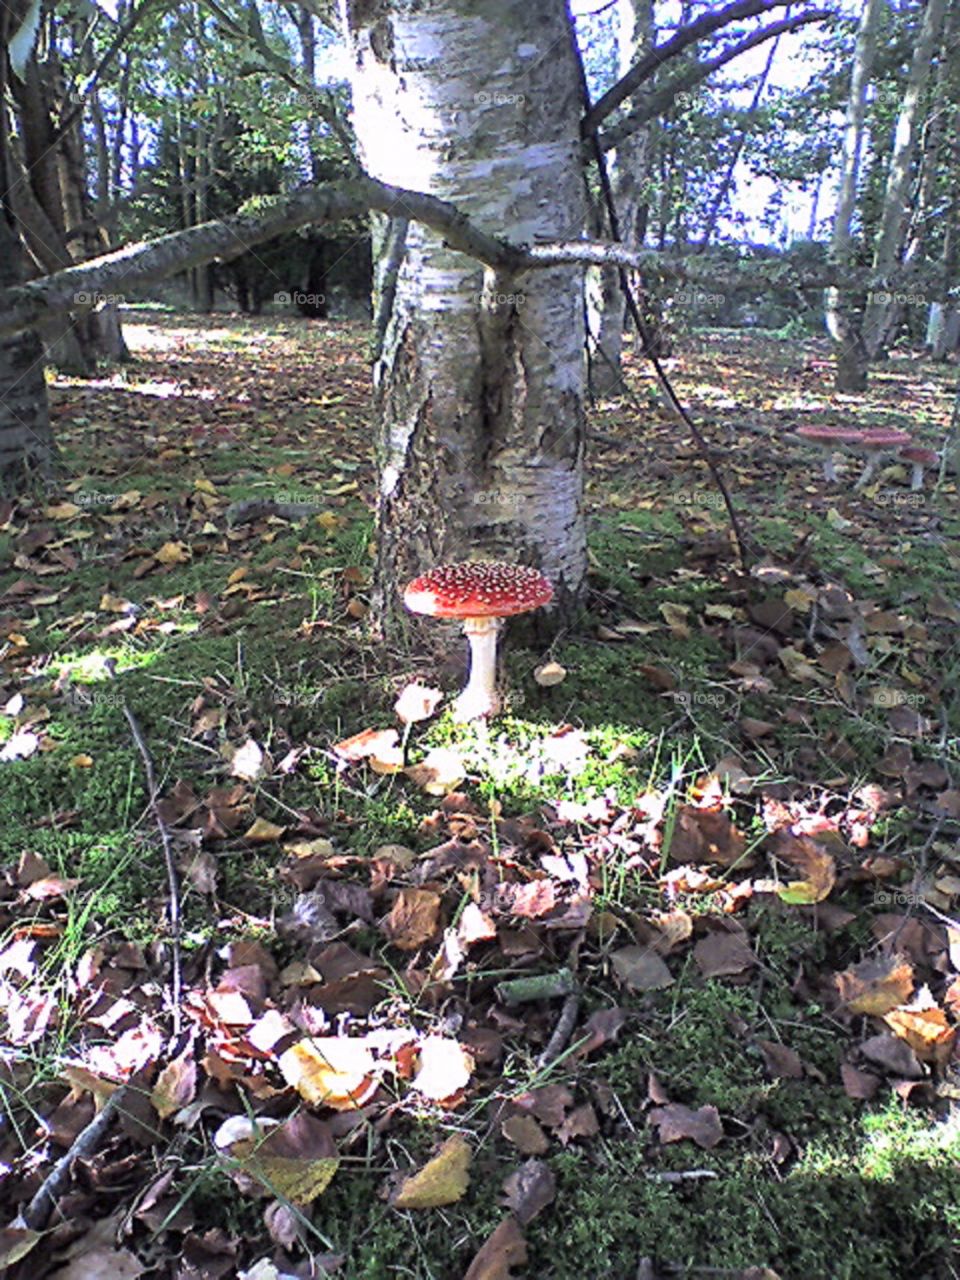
column 916, row 477
column 874, row 458
column 479, row 698
column 829, row 470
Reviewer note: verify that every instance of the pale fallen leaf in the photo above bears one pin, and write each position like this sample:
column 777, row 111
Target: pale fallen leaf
column 331, row 1071
column 549, row 673
column 176, row 1085
column 263, row 831
column 445, row 1068
column 249, row 761
column 640, row 969
column 173, row 553
column 438, row 772
column 417, row 702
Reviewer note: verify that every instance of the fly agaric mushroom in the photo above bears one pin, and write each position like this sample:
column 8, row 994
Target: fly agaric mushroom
column 919, row 458
column 827, row 438
column 481, row 594
column 877, row 443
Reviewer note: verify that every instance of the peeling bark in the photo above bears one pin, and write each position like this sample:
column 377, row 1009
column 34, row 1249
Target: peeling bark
column 480, row 381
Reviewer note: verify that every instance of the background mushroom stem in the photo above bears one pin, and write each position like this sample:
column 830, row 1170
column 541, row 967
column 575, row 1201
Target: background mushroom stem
column 479, row 698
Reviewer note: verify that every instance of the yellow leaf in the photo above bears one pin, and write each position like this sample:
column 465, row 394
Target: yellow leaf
column 173, row 553
column 294, row 1161
column 328, row 520
column 264, row 830
column 331, row 1071
column 238, row 575
column 205, row 485
column 62, row 511
column 924, row 1026
column 877, row 985
column 442, row 1180
column 82, row 762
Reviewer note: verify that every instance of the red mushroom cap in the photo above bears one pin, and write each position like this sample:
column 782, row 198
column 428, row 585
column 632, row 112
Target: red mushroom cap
column 883, row 437
column 916, row 453
column 479, row 589
column 851, row 434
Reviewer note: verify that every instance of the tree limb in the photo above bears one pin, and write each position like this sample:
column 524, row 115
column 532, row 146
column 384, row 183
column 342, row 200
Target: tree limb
column 81, row 287
column 661, row 99
column 652, row 61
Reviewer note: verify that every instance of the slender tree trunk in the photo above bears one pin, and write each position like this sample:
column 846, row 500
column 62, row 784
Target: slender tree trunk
column 629, row 168
column 479, row 385
column 894, row 216
column 26, row 445
column 839, row 315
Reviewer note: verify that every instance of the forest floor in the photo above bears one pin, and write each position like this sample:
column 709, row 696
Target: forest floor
column 728, row 818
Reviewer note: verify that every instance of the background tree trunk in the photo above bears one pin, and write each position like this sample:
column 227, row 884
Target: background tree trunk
column 894, row 217
column 839, row 317
column 629, row 168
column 480, row 381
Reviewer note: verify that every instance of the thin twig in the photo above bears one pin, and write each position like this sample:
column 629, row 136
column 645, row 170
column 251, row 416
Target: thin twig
column 37, row 1213
column 173, row 882
column 561, row 1032
column 744, row 546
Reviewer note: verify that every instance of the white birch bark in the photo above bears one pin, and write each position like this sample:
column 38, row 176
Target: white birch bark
column 895, row 214
column 480, row 380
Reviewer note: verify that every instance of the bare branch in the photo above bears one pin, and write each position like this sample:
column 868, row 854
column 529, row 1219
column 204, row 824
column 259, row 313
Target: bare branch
column 652, row 61
column 660, row 100
column 83, row 286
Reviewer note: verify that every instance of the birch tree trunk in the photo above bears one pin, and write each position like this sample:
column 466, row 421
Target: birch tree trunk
column 479, row 384
column 841, row 322
column 894, row 217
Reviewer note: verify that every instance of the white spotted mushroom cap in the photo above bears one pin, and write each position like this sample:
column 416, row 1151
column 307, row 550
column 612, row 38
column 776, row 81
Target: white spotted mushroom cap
column 479, row 589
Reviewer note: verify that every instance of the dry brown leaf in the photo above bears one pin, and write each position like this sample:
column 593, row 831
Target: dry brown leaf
column 413, row 919
column 442, row 1180
column 530, row 1190
column 526, row 1135
column 504, row 1250
column 640, row 969
column 876, row 985
column 723, row 954
column 176, row 1085
column 817, row 867
column 782, row 1062
column 675, row 1122
column 923, row 1025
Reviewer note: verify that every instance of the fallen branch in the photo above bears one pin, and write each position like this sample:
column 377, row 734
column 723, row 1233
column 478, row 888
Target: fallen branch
column 37, row 1213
